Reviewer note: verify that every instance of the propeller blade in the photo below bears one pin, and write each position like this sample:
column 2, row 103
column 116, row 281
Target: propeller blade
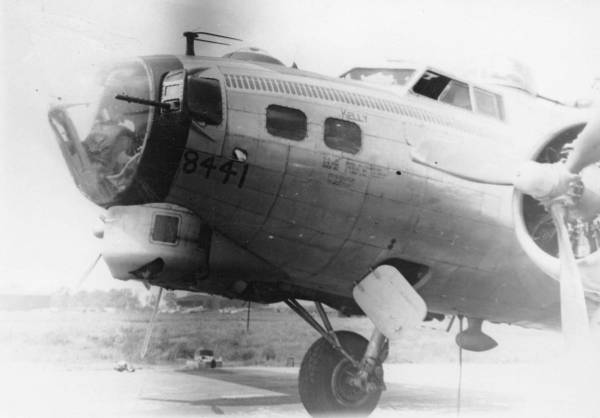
column 87, row 272
column 586, row 148
column 151, row 325
column 549, row 183
column 574, row 315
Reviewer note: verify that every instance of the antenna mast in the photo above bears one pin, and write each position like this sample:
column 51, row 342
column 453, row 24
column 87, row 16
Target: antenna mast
column 190, row 37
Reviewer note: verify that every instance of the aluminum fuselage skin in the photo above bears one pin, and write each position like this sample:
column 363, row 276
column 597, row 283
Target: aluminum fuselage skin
column 325, row 217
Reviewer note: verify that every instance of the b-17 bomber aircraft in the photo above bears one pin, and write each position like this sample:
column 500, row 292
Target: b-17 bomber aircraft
column 403, row 193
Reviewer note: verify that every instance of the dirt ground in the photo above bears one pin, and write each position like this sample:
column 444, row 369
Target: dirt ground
column 414, row 390
column 60, row 364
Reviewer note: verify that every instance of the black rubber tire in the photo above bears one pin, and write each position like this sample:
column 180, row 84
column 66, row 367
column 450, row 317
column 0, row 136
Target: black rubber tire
column 317, row 372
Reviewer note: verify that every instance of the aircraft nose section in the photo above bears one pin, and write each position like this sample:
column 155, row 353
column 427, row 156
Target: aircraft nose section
column 101, row 137
column 123, row 139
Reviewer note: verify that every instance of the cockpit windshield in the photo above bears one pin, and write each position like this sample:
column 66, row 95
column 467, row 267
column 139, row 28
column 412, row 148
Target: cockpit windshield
column 380, row 76
column 102, row 137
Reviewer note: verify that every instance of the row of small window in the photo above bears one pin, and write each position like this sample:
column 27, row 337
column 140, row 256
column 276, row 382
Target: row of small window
column 289, row 123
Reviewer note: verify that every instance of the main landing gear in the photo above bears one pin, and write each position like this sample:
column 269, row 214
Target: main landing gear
column 341, row 372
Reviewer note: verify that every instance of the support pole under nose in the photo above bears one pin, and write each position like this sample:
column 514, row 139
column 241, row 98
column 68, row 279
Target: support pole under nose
column 146, row 343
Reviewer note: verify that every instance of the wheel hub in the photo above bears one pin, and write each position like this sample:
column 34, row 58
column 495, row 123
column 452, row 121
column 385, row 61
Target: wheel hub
column 346, row 384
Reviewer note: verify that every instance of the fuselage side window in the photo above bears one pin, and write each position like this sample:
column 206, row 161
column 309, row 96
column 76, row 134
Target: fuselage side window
column 204, row 99
column 165, row 229
column 286, row 122
column 342, row 135
column 488, row 103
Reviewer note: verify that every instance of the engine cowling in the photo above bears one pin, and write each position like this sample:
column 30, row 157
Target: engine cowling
column 534, row 226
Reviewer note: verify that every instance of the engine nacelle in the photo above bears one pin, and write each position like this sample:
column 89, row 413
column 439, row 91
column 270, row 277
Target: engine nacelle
column 158, row 243
column 534, row 227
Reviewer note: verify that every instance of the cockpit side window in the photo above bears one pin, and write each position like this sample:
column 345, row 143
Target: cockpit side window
column 431, row 85
column 204, row 99
column 439, row 87
column 488, row 103
column 457, row 94
column 380, row 76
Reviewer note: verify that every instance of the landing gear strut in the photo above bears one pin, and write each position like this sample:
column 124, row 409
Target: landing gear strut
column 342, row 371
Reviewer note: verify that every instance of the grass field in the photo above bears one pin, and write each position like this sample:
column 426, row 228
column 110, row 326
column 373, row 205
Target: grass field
column 77, row 337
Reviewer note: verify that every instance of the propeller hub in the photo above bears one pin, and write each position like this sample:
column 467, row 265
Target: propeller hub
column 588, row 206
column 545, row 182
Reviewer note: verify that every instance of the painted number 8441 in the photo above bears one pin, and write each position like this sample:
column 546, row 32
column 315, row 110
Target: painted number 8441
column 227, row 170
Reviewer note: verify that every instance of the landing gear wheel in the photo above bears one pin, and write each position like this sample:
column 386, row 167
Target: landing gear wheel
column 325, row 375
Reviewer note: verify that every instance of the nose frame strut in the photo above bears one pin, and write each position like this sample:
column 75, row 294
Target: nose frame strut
column 369, row 365
column 326, row 330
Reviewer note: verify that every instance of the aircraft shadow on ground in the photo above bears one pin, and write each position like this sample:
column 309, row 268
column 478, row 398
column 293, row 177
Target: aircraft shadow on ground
column 397, row 397
column 285, row 384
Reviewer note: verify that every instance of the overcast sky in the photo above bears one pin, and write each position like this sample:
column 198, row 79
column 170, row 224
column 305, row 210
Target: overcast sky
column 46, row 45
